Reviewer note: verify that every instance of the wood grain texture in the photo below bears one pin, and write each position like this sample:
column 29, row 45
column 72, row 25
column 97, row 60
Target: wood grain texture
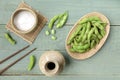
column 59, row 78
column 105, row 62
column 102, row 66
column 76, row 9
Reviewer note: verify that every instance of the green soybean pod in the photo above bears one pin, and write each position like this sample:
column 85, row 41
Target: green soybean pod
column 74, row 34
column 84, row 37
column 59, row 19
column 78, row 29
column 77, row 47
column 83, row 30
column 70, row 39
column 31, row 63
column 96, row 38
column 96, row 30
column 75, row 42
column 72, row 50
column 102, row 32
column 86, row 46
column 83, row 47
column 98, row 25
column 77, row 38
column 9, row 38
column 88, row 27
column 52, row 21
column 81, row 51
column 92, row 44
column 90, row 33
column 94, row 18
column 84, row 20
column 104, row 24
column 82, row 33
column 63, row 20
column 79, row 32
column 99, row 36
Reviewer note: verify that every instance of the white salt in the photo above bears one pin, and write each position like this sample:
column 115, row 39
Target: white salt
column 24, row 20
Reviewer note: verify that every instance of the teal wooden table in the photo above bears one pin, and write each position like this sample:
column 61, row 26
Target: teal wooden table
column 105, row 65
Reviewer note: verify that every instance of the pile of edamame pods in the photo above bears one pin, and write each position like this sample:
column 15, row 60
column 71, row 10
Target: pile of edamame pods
column 61, row 20
column 88, row 33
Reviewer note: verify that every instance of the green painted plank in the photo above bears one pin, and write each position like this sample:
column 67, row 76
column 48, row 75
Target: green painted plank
column 77, row 9
column 102, row 66
column 105, row 62
column 60, row 78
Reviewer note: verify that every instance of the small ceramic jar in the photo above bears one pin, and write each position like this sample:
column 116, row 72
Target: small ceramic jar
column 51, row 63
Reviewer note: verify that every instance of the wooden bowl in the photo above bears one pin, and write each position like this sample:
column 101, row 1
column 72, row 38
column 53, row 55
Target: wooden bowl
column 92, row 51
column 16, row 13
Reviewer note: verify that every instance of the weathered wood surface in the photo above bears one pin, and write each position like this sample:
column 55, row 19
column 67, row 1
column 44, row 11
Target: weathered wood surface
column 105, row 65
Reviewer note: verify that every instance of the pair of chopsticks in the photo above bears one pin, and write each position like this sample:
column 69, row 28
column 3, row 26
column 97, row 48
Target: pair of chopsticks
column 7, row 58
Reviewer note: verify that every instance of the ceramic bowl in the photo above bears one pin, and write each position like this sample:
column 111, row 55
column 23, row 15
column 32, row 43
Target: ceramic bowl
column 91, row 52
column 16, row 13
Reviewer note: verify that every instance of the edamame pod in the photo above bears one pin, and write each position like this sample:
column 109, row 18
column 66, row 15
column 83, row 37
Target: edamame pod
column 90, row 33
column 72, row 50
column 84, row 37
column 96, row 30
column 99, row 36
column 95, row 37
column 82, row 32
column 51, row 23
column 76, row 50
column 102, row 32
column 94, row 18
column 63, row 20
column 92, row 44
column 59, row 19
column 97, row 40
column 98, row 25
column 81, row 51
column 77, row 47
column 31, row 63
column 83, row 47
column 84, row 20
column 88, row 27
column 9, row 38
column 75, row 42
column 74, row 34
column 104, row 24
column 77, row 39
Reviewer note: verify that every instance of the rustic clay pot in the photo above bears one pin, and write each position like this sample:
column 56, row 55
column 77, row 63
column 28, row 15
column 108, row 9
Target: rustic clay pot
column 51, row 63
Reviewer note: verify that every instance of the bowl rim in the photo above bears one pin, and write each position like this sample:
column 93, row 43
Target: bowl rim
column 17, row 12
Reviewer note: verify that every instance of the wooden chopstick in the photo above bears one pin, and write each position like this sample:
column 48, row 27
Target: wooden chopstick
column 10, row 65
column 13, row 54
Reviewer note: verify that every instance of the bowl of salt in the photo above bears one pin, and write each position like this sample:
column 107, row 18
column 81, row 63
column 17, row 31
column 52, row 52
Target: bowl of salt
column 24, row 20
